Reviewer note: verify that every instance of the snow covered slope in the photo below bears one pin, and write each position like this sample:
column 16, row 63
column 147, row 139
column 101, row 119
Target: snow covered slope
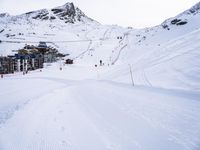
column 62, row 23
column 84, row 107
column 72, row 109
column 164, row 56
column 65, row 27
column 149, row 50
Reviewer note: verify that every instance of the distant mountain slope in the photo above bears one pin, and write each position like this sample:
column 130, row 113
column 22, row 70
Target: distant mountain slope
column 163, row 57
column 69, row 30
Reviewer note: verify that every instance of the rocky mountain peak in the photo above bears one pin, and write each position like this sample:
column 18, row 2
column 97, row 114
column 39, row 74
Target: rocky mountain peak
column 68, row 13
column 183, row 18
column 4, row 15
column 67, row 6
column 195, row 9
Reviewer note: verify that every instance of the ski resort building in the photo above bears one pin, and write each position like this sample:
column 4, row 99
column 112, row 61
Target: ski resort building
column 29, row 58
column 49, row 53
column 42, row 45
column 69, row 61
column 27, row 62
column 50, row 56
column 6, row 65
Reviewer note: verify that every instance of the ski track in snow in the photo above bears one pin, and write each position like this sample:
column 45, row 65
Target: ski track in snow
column 75, row 116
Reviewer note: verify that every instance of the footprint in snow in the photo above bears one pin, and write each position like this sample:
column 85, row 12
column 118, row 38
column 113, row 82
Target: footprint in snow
column 60, row 111
column 64, row 143
column 63, row 129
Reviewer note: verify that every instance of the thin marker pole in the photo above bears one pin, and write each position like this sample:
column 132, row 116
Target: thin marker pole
column 131, row 75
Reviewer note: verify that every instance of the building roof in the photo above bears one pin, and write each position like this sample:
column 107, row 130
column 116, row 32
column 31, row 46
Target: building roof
column 42, row 45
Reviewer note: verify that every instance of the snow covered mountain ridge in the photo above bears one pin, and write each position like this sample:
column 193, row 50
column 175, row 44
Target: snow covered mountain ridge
column 68, row 13
column 195, row 9
column 183, row 18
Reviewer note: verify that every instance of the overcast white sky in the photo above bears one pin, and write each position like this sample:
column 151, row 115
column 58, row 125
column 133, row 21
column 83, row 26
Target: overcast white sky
column 135, row 13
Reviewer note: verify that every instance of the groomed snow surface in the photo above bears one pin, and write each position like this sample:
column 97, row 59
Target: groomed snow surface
column 84, row 107
column 75, row 109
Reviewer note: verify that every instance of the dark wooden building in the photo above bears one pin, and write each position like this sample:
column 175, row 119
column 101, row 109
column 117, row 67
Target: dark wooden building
column 69, row 61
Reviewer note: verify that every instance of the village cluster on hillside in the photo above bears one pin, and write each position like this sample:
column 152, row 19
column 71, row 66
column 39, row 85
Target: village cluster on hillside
column 29, row 58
